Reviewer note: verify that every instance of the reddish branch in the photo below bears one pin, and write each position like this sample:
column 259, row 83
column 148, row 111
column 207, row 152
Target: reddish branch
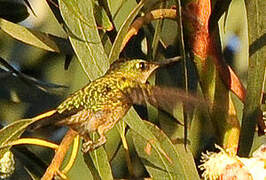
column 146, row 19
column 204, row 45
column 59, row 155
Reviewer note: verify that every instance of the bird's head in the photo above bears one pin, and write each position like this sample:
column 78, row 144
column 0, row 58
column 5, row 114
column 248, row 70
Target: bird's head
column 137, row 69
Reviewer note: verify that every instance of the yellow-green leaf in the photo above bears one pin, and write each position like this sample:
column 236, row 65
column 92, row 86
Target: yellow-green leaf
column 36, row 38
column 179, row 163
column 85, row 39
column 12, row 132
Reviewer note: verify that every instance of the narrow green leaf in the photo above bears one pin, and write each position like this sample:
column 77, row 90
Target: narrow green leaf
column 114, row 6
column 35, row 38
column 115, row 51
column 113, row 142
column 157, row 34
column 121, row 129
column 167, row 161
column 101, row 163
column 86, row 42
column 256, row 74
column 101, row 17
column 151, row 110
column 12, row 132
column 79, row 170
column 123, row 11
column 181, row 165
column 94, row 172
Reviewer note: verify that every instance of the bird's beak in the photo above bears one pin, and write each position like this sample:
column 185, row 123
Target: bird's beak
column 169, row 61
column 156, row 65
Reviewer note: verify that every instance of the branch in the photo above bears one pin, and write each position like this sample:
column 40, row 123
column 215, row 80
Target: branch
column 59, row 155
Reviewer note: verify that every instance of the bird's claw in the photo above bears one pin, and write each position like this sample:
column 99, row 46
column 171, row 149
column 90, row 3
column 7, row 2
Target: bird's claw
column 90, row 145
column 87, row 146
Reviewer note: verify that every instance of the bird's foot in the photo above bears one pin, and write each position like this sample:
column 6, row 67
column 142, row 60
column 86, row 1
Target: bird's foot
column 90, row 145
column 87, row 146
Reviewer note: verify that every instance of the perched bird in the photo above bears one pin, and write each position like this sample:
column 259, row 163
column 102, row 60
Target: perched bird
column 103, row 102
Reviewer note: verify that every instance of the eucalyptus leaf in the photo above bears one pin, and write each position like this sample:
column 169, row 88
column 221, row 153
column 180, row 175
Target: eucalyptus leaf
column 178, row 168
column 256, row 75
column 79, row 166
column 86, row 42
column 114, row 6
column 12, row 132
column 101, row 163
column 115, row 51
column 138, row 126
column 98, row 163
column 101, row 18
column 38, row 39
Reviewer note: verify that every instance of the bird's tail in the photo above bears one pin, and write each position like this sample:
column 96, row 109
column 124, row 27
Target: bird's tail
column 43, row 120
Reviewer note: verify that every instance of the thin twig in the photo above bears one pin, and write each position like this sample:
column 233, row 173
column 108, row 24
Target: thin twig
column 150, row 16
column 59, row 155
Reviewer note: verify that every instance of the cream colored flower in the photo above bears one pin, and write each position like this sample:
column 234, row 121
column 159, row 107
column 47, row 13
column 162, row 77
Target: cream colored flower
column 222, row 166
column 7, row 165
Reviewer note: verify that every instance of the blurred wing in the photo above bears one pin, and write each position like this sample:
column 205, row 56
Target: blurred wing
column 165, row 98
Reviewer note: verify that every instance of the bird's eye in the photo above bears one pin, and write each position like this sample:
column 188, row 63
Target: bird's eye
column 141, row 66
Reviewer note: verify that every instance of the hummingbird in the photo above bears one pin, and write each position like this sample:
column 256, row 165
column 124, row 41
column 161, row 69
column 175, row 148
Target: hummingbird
column 99, row 105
